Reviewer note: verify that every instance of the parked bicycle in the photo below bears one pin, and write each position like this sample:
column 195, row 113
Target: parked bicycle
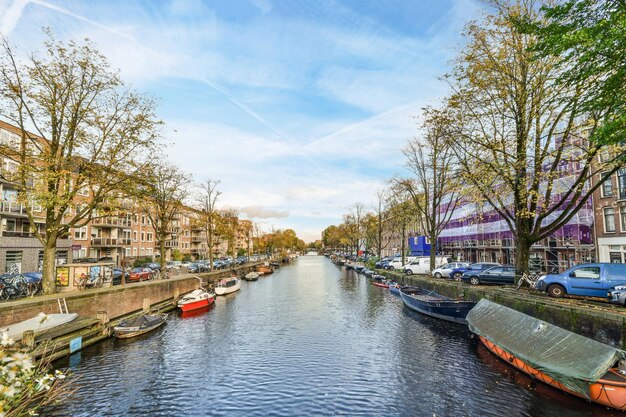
column 85, row 281
column 529, row 279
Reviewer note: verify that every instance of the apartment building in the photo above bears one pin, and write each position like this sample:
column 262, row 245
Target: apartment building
column 20, row 250
column 610, row 217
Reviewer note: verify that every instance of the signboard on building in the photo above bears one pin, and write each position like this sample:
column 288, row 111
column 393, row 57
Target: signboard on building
column 63, row 276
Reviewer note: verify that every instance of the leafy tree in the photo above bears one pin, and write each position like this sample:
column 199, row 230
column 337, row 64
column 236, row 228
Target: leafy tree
column 92, row 135
column 522, row 137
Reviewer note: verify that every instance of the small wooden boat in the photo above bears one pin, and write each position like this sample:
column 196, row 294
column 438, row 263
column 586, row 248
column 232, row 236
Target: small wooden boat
column 38, row 324
column 394, row 288
column 367, row 272
column 555, row 356
column 359, row 268
column 138, row 325
column 264, row 269
column 435, row 305
column 377, row 276
column 381, row 282
column 196, row 299
column 227, row 286
column 251, row 276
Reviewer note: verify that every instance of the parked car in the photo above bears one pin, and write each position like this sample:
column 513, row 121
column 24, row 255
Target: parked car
column 457, row 273
column 503, row 274
column 380, row 263
column 396, row 263
column 444, row 270
column 139, row 274
column 152, row 265
column 591, row 280
column 173, row 265
column 421, row 265
column 117, row 275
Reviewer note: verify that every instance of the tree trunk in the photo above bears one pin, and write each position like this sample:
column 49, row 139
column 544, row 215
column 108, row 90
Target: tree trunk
column 403, row 244
column 433, row 250
column 162, row 252
column 522, row 256
column 49, row 267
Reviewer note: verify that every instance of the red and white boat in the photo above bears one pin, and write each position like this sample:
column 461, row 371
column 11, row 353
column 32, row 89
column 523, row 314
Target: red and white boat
column 196, row 299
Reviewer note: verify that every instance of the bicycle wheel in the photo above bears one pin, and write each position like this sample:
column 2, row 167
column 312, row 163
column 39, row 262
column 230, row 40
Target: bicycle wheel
column 4, row 295
column 82, row 283
column 98, row 283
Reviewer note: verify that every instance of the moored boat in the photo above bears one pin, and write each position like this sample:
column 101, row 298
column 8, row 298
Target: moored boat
column 251, row 276
column 139, row 325
column 381, row 282
column 227, row 286
column 435, row 305
column 394, row 288
column 555, row 356
column 196, row 299
column 264, row 269
column 38, row 324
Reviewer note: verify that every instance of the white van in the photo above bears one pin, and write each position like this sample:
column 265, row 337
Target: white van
column 396, row 263
column 421, row 265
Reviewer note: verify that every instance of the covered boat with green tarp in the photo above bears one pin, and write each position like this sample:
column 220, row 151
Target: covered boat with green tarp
column 555, row 356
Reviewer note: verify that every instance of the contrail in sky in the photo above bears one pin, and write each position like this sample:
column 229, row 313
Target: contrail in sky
column 18, row 6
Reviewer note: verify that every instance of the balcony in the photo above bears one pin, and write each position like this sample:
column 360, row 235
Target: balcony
column 198, row 239
column 17, row 209
column 112, row 222
column 173, row 230
column 110, row 242
column 171, row 243
column 18, row 233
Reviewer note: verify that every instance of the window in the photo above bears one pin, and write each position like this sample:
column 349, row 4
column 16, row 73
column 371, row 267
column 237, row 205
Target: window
column 127, row 252
column 143, row 251
column 607, row 186
column 143, row 220
column 587, row 272
column 621, row 183
column 149, row 237
column 609, row 220
column 622, row 215
column 149, row 252
column 13, row 262
column 135, row 235
column 80, row 233
column 134, row 251
column 143, row 236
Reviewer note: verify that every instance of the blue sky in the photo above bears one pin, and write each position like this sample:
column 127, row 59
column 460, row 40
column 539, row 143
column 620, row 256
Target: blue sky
column 300, row 108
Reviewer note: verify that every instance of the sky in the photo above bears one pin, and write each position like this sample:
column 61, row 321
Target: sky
column 299, row 108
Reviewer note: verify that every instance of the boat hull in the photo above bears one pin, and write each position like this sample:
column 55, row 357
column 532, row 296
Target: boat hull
column 380, row 284
column 604, row 391
column 38, row 324
column 223, row 290
column 437, row 306
column 196, row 304
column 123, row 331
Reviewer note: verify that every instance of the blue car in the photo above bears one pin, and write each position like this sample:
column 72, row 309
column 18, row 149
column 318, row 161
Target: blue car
column 457, row 273
column 591, row 280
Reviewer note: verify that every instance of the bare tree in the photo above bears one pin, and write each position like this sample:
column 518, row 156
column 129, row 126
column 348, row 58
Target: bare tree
column 208, row 213
column 434, row 188
column 161, row 193
column 92, row 135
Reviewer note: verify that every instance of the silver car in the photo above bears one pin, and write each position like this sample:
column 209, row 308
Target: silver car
column 444, row 270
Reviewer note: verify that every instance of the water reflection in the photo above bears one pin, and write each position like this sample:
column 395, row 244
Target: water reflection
column 310, row 340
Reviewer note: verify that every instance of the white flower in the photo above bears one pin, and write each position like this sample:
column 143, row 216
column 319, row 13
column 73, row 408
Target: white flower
column 7, row 391
column 6, row 341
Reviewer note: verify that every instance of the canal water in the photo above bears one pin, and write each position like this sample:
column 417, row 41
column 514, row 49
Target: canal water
column 309, row 340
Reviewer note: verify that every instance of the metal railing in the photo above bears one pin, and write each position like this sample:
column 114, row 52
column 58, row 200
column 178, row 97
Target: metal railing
column 112, row 221
column 110, row 241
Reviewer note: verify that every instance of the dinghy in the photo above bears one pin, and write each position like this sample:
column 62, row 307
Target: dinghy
column 138, row 325
column 38, row 324
column 196, row 299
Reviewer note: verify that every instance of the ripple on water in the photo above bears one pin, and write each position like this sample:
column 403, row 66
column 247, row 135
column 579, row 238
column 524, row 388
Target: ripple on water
column 309, row 340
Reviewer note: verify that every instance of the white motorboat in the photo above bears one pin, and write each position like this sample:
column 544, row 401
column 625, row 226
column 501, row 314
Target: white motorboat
column 227, row 286
column 38, row 324
column 196, row 299
column 252, row 276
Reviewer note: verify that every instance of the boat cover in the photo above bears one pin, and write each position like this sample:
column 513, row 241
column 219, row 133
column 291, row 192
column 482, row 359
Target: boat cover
column 569, row 358
column 140, row 322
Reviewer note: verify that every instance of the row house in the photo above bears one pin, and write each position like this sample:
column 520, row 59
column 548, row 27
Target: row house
column 610, row 217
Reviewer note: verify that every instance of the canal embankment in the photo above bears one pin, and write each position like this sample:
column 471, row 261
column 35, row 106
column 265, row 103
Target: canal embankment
column 102, row 308
column 597, row 320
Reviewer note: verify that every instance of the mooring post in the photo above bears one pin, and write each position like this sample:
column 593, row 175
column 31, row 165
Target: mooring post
column 103, row 317
column 28, row 339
